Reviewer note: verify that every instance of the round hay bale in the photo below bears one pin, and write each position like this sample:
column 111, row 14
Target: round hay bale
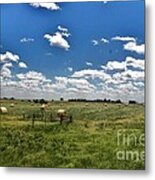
column 61, row 112
column 86, row 105
column 12, row 105
column 3, row 110
column 105, row 104
column 126, row 104
column 43, row 107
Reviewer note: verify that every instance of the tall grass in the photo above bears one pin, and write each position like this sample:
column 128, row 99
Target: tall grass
column 89, row 142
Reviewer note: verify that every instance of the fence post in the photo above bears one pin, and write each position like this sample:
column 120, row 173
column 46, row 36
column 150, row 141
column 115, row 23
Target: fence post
column 45, row 118
column 51, row 117
column 33, row 118
column 71, row 118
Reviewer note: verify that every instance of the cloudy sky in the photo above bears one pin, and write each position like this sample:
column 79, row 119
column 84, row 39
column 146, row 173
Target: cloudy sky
column 73, row 50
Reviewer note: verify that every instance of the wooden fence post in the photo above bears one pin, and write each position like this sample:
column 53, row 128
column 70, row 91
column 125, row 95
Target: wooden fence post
column 33, row 119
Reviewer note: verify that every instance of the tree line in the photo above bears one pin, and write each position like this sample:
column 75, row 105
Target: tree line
column 43, row 101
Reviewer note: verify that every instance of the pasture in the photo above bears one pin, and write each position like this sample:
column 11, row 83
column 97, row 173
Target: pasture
column 102, row 135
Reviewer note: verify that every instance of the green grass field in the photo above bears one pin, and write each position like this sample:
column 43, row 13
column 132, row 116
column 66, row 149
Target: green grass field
column 104, row 136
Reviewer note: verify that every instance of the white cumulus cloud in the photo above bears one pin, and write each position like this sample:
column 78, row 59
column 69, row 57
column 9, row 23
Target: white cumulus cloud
column 22, row 65
column 129, row 75
column 122, row 38
column 8, row 65
column 5, row 72
column 89, row 63
column 95, row 42
column 132, row 46
column 104, row 40
column 32, row 75
column 57, row 40
column 70, row 69
column 49, row 6
column 62, row 28
column 64, row 31
column 92, row 74
column 135, row 63
column 9, row 56
column 115, row 65
column 26, row 40
column 80, row 84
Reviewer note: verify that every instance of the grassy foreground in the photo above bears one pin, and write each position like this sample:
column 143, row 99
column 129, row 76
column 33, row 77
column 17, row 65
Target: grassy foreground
column 108, row 136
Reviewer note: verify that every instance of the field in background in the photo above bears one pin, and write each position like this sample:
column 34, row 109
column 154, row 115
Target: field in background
column 95, row 138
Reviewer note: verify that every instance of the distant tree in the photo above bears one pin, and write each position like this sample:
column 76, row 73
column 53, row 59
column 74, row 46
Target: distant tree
column 104, row 100
column 42, row 101
column 61, row 99
column 12, row 98
column 5, row 98
column 118, row 101
column 35, row 100
column 132, row 102
column 107, row 100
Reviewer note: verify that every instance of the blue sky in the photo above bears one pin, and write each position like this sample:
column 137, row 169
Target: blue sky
column 75, row 37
